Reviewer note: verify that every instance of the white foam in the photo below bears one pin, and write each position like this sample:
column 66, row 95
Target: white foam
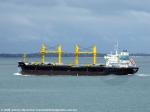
column 25, row 75
column 142, row 75
column 130, row 74
column 17, row 73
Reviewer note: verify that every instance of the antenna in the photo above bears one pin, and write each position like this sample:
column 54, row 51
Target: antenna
column 116, row 47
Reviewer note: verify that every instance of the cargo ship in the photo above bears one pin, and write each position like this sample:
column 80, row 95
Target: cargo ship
column 118, row 63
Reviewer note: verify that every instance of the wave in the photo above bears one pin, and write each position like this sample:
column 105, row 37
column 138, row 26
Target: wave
column 143, row 75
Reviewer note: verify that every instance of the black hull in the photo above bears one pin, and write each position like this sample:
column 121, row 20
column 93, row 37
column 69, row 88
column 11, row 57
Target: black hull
column 48, row 69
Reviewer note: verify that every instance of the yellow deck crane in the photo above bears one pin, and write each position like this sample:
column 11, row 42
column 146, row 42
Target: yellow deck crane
column 77, row 52
column 94, row 54
column 43, row 53
column 77, row 55
column 58, row 51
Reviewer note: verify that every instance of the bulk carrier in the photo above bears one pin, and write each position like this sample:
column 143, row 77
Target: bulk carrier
column 118, row 63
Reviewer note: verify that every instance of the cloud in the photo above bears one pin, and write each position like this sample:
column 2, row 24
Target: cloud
column 68, row 22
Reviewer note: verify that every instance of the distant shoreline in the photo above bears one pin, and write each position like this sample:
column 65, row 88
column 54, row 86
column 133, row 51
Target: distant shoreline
column 63, row 55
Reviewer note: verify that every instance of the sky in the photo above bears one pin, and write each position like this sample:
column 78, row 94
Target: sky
column 26, row 24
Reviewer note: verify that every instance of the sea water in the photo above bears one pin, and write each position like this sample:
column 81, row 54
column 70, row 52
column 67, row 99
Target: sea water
column 111, row 93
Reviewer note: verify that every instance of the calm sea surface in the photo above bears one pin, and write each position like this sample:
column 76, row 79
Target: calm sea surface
column 84, row 93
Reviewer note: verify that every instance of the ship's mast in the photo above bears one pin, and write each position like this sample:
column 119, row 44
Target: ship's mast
column 25, row 58
column 117, row 52
column 116, row 48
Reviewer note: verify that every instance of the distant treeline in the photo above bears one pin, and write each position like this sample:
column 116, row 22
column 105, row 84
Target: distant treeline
column 48, row 55
column 63, row 55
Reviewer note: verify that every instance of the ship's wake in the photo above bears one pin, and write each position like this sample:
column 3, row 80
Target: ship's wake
column 143, row 75
column 19, row 74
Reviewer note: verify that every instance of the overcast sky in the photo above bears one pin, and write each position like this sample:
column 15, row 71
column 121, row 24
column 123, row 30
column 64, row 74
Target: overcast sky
column 26, row 24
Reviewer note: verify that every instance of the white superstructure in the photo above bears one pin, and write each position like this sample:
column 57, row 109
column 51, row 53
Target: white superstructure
column 121, row 59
